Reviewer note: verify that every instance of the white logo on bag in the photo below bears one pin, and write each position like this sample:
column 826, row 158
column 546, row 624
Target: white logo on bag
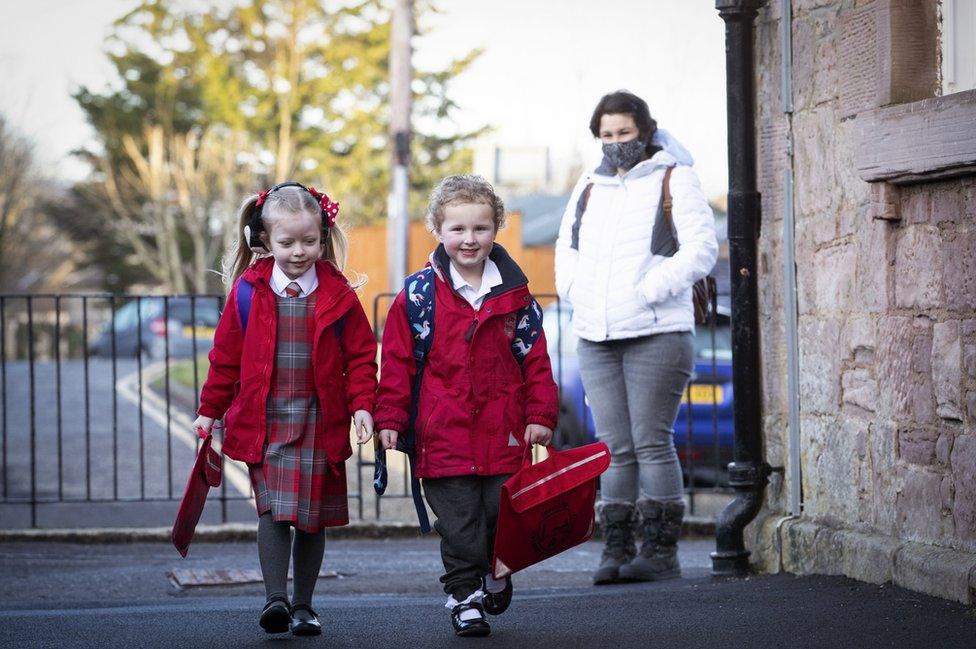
column 511, row 439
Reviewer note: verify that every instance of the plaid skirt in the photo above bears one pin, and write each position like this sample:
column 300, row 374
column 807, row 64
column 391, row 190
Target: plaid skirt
column 295, row 482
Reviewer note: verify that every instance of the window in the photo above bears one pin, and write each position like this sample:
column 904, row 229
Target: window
column 958, row 45
column 912, row 125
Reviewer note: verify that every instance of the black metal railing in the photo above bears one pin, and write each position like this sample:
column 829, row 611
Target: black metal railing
column 75, row 425
column 97, row 393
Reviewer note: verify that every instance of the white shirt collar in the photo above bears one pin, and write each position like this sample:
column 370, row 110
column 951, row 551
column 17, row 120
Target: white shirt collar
column 308, row 282
column 490, row 278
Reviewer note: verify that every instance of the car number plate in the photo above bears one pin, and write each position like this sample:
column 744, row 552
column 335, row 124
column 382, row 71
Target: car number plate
column 703, row 394
column 201, row 332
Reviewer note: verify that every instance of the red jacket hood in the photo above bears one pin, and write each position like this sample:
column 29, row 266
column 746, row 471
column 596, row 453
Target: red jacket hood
column 510, row 295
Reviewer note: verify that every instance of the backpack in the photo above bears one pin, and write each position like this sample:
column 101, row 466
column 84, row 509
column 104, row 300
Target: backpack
column 664, row 241
column 419, row 290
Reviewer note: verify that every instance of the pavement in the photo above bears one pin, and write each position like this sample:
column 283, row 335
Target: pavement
column 386, row 593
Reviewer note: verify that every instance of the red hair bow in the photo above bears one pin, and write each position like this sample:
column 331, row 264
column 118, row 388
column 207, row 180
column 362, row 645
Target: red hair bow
column 329, row 207
column 261, row 198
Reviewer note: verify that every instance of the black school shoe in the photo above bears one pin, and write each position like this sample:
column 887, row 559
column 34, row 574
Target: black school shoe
column 475, row 628
column 497, row 603
column 302, row 625
column 276, row 616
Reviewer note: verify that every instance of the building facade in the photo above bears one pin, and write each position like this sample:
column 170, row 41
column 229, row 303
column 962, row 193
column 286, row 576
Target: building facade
column 869, row 148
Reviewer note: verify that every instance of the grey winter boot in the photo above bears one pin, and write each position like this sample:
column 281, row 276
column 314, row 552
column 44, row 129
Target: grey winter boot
column 617, row 520
column 660, row 526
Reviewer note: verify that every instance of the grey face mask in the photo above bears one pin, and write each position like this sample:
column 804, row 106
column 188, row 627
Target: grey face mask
column 624, row 155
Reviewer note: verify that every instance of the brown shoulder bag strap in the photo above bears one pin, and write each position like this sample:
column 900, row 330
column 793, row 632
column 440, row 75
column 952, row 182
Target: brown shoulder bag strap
column 666, row 198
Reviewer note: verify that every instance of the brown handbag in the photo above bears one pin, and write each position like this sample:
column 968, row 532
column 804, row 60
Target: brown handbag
column 703, row 292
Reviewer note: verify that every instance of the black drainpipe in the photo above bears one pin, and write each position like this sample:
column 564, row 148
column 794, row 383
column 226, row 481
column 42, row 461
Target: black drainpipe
column 747, row 472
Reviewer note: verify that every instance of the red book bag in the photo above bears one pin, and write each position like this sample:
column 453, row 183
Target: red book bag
column 204, row 475
column 547, row 507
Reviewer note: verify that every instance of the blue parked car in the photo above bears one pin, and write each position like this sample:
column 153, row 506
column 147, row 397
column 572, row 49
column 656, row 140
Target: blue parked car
column 706, row 452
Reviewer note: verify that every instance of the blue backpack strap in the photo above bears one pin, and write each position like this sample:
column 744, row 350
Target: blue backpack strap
column 339, row 326
column 528, row 328
column 244, row 292
column 381, row 476
column 419, row 290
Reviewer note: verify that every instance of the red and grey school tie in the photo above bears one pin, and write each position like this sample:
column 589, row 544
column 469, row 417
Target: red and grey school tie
column 293, row 290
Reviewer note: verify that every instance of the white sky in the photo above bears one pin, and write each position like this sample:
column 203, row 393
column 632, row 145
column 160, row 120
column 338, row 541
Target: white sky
column 546, row 63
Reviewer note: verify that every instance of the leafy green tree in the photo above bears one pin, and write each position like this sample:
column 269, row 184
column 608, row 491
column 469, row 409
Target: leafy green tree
column 290, row 89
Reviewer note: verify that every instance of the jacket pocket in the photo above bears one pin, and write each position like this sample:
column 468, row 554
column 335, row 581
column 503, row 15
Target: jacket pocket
column 231, row 416
column 507, row 437
column 423, row 426
column 573, row 291
column 427, row 408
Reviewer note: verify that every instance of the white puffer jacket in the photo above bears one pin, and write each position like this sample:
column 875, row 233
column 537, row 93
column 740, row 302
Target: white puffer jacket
column 616, row 287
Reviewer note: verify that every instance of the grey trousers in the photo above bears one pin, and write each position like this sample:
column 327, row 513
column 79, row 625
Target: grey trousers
column 634, row 387
column 466, row 508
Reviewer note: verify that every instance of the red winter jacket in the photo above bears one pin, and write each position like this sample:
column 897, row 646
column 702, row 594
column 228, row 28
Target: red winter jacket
column 240, row 367
column 475, row 399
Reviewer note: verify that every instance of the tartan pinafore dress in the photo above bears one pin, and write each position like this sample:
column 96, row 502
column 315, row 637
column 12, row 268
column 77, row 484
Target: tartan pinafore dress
column 295, row 481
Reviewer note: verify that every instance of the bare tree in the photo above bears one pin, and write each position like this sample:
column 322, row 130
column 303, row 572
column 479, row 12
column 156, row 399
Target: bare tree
column 173, row 201
column 32, row 255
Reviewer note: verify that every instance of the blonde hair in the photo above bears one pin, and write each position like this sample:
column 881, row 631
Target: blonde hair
column 459, row 190
column 281, row 203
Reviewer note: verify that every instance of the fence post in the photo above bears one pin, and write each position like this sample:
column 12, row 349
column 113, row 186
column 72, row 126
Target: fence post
column 33, row 409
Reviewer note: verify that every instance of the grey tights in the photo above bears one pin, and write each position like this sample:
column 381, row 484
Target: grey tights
column 274, row 547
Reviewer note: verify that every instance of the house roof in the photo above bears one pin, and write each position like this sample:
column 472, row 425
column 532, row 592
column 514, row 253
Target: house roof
column 541, row 215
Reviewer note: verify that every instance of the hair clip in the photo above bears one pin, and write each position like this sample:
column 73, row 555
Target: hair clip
column 329, row 207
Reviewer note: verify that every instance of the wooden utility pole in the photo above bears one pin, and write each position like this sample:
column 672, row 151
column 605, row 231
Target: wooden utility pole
column 401, row 73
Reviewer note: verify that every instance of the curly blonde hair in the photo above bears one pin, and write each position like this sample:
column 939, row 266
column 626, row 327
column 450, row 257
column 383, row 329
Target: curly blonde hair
column 459, row 190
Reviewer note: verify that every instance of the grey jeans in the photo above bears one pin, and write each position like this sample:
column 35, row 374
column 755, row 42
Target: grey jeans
column 634, row 387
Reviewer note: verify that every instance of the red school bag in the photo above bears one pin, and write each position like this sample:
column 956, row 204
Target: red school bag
column 547, row 507
column 204, row 475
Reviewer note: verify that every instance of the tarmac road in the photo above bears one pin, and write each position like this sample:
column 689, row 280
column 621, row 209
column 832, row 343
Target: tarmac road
column 64, row 595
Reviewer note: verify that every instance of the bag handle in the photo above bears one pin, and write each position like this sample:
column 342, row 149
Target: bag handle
column 527, row 454
column 666, row 198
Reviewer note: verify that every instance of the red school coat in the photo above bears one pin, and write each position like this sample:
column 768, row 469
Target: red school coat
column 240, row 366
column 475, row 400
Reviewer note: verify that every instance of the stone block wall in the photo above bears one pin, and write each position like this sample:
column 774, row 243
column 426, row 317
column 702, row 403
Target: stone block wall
column 886, row 282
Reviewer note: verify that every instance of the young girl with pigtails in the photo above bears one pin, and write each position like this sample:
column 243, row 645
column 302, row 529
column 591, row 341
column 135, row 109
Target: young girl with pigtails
column 293, row 358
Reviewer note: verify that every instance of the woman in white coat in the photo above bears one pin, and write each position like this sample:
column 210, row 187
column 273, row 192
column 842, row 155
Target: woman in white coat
column 628, row 278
